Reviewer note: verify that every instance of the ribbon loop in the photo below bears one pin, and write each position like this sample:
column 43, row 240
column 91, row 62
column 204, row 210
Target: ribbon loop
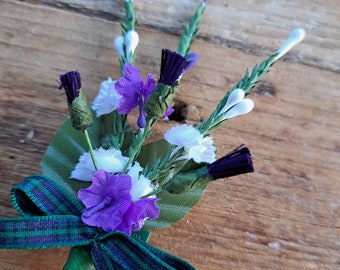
column 38, row 196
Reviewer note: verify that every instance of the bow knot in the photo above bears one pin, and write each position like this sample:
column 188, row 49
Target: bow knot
column 51, row 218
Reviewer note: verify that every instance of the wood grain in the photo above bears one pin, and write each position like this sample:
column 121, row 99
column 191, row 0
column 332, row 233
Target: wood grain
column 283, row 216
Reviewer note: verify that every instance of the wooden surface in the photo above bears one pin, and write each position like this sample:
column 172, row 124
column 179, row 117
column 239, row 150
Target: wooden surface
column 283, row 216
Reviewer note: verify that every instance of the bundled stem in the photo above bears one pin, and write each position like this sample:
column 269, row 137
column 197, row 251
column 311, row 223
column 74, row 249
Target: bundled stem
column 137, row 143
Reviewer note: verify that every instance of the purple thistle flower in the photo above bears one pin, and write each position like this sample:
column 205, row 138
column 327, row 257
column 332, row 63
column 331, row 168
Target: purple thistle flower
column 79, row 111
column 172, row 66
column 109, row 204
column 235, row 162
column 71, row 82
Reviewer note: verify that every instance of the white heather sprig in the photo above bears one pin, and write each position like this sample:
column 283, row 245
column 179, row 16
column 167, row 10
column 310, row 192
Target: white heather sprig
column 236, row 105
column 248, row 82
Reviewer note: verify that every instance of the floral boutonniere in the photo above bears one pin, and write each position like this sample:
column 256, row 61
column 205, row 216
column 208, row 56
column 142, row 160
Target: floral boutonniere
column 104, row 185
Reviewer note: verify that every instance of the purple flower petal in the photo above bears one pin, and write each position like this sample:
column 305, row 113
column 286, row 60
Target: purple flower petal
column 131, row 88
column 191, row 59
column 106, row 200
column 150, row 210
column 148, row 87
column 126, row 104
column 169, row 111
column 131, row 74
column 137, row 213
column 109, row 204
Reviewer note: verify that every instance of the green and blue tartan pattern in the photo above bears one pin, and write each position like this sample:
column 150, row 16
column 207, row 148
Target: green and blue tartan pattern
column 51, row 218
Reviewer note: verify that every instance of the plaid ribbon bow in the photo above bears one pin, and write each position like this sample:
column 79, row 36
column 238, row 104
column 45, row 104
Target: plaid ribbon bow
column 51, row 218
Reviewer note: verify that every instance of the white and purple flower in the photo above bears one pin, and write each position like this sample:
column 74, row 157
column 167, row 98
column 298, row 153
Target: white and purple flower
column 110, row 204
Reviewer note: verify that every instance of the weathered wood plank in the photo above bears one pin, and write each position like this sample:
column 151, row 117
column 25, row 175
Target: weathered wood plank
column 250, row 26
column 286, row 214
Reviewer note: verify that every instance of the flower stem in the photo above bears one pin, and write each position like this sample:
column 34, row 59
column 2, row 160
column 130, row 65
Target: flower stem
column 130, row 15
column 128, row 24
column 90, row 149
column 137, row 144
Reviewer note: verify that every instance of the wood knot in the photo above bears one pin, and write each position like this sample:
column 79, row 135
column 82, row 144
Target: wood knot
column 267, row 90
column 180, row 111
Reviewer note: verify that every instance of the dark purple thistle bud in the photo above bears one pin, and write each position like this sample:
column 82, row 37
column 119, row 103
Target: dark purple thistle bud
column 71, row 82
column 235, row 162
column 172, row 66
column 79, row 111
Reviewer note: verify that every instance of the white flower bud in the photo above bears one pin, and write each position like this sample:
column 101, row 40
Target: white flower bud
column 118, row 45
column 296, row 36
column 235, row 97
column 243, row 107
column 131, row 42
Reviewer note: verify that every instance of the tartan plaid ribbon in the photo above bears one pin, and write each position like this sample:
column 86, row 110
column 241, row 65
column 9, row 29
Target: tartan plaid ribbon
column 51, row 218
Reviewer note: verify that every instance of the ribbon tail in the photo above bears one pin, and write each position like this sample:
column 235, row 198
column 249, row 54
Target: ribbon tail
column 127, row 252
column 103, row 261
column 44, row 232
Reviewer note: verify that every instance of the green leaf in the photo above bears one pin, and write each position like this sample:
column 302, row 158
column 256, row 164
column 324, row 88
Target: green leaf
column 69, row 144
column 173, row 207
column 79, row 258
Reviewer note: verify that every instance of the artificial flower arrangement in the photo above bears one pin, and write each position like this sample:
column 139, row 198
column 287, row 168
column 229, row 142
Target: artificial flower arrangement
column 104, row 187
